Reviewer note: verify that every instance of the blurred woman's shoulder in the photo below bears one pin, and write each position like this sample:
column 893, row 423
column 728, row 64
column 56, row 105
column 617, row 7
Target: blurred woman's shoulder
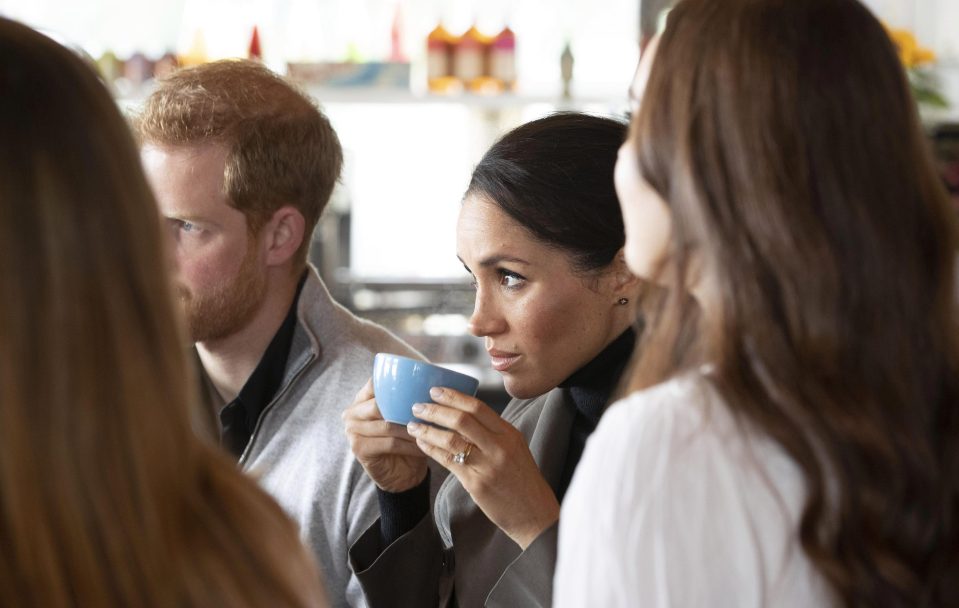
column 672, row 478
column 687, row 403
column 685, row 417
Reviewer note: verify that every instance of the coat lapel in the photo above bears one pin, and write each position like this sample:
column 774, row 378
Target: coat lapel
column 482, row 551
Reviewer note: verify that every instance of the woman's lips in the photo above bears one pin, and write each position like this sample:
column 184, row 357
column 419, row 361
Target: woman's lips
column 502, row 361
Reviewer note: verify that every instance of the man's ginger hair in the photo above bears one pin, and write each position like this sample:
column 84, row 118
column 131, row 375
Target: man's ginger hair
column 281, row 149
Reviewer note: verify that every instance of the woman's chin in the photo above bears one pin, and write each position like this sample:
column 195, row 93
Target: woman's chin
column 518, row 389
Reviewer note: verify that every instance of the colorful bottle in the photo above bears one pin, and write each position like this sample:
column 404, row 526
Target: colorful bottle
column 197, row 52
column 469, row 57
column 502, row 59
column 439, row 69
column 165, row 65
column 566, row 70
column 138, row 69
column 254, row 52
column 110, row 67
column 396, row 37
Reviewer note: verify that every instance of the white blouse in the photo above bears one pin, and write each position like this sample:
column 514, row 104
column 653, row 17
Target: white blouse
column 675, row 505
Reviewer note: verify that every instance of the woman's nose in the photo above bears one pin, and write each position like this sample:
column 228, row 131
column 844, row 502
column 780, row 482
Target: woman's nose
column 486, row 319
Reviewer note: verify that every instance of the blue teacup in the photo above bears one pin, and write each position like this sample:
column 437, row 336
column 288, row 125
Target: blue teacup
column 400, row 382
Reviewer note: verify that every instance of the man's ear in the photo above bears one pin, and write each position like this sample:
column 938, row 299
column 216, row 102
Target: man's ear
column 283, row 234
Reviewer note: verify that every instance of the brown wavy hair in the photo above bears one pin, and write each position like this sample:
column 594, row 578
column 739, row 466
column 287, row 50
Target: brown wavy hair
column 783, row 137
column 107, row 497
column 281, row 149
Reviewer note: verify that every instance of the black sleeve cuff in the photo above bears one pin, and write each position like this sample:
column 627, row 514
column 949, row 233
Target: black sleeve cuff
column 401, row 511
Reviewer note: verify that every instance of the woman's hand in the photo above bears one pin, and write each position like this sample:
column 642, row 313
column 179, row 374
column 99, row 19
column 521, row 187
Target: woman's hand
column 498, row 471
column 388, row 454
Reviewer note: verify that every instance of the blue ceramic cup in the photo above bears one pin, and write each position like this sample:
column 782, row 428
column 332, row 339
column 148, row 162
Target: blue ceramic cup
column 399, row 382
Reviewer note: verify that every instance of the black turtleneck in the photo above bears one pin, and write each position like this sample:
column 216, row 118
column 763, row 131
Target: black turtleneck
column 589, row 388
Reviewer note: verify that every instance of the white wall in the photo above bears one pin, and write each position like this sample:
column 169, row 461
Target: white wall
column 123, row 25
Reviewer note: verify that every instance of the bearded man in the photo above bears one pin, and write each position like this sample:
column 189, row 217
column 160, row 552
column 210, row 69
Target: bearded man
column 242, row 165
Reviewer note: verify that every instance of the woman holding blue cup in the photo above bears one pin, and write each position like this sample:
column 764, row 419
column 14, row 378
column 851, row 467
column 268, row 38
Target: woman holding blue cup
column 541, row 233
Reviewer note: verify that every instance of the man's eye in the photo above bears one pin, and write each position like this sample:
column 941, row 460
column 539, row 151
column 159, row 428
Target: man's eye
column 188, row 227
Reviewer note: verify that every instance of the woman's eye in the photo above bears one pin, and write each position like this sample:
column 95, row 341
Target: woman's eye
column 187, row 227
column 511, row 280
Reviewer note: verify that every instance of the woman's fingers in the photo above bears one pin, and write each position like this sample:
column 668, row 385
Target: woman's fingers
column 378, row 438
column 466, row 420
column 438, row 444
column 365, row 448
column 365, row 410
column 366, row 393
column 376, row 428
column 478, row 410
column 440, row 455
column 461, row 423
column 364, row 405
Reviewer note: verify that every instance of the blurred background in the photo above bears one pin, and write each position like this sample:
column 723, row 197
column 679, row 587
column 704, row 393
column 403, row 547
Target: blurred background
column 417, row 90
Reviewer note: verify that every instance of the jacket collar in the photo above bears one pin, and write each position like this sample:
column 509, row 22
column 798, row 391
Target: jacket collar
column 314, row 303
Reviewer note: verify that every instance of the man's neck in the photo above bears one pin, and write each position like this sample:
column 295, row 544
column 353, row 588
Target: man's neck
column 230, row 361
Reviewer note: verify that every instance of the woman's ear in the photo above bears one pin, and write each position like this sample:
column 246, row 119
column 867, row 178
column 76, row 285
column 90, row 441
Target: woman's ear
column 623, row 282
column 283, row 235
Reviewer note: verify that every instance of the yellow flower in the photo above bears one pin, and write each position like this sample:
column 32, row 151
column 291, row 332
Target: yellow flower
column 923, row 56
column 910, row 53
column 913, row 57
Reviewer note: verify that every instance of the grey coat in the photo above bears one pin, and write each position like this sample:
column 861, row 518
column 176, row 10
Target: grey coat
column 457, row 556
column 299, row 451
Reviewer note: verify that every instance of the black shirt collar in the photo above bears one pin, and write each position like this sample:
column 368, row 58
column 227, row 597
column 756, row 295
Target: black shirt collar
column 239, row 417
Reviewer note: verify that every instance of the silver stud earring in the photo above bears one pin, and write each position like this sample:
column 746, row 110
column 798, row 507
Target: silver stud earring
column 622, row 301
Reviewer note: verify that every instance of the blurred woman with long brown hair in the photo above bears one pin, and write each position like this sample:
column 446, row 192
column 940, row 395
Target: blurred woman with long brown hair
column 803, row 448
column 107, row 498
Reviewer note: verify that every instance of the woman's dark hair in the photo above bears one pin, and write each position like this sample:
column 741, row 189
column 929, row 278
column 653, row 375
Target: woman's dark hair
column 554, row 176
column 783, row 136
